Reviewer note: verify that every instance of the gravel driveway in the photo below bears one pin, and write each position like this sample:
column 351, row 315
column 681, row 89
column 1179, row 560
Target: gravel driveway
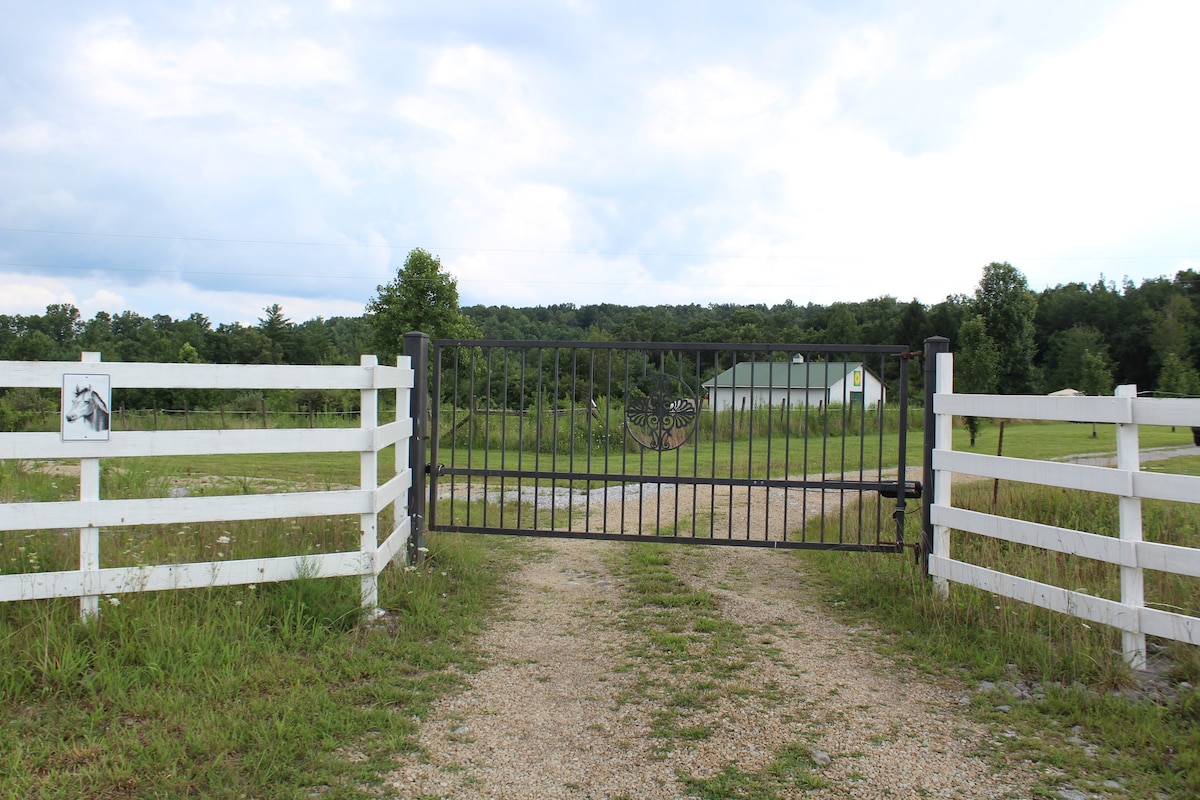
column 550, row 715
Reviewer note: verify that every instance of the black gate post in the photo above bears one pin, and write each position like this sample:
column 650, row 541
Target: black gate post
column 416, row 347
column 933, row 346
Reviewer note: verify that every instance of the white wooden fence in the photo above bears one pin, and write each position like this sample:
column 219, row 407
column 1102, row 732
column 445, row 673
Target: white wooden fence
column 1126, row 481
column 90, row 513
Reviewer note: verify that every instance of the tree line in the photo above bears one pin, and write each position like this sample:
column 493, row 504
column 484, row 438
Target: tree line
column 1009, row 339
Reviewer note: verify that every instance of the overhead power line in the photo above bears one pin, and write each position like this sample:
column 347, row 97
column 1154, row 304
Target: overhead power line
column 545, row 251
column 290, row 275
column 290, row 243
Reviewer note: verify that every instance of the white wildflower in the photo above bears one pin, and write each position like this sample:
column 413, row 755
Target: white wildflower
column 223, row 540
column 116, row 601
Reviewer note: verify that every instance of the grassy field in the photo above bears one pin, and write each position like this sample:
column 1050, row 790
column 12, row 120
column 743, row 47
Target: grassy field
column 1082, row 689
column 276, row 691
column 270, row 690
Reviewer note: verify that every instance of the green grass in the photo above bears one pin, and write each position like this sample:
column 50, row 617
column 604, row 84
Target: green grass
column 240, row 691
column 789, row 770
column 50, row 550
column 1050, row 440
column 686, row 658
column 1155, row 749
column 245, row 691
column 674, row 630
column 741, row 457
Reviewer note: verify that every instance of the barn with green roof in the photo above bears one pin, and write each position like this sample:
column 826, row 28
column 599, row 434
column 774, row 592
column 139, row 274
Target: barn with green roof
column 796, row 383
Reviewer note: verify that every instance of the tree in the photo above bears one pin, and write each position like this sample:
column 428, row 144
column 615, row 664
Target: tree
column 1177, row 378
column 423, row 298
column 1171, row 328
column 278, row 328
column 1065, row 357
column 946, row 317
column 1095, row 376
column 913, row 327
column 188, row 354
column 62, row 323
column 1008, row 309
column 975, row 364
column 842, row 327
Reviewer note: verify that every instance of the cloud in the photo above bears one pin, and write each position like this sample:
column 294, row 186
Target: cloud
column 576, row 152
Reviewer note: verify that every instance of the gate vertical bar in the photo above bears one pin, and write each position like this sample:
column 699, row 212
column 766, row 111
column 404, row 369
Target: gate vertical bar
column 89, row 537
column 933, row 346
column 416, row 347
column 902, row 446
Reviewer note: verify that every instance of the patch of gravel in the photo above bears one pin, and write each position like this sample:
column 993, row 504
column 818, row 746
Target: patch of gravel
column 550, row 716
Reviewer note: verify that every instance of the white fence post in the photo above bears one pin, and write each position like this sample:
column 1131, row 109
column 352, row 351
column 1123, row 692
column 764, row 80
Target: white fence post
column 941, row 485
column 89, row 514
column 400, row 456
column 1129, row 514
column 89, row 537
column 369, row 481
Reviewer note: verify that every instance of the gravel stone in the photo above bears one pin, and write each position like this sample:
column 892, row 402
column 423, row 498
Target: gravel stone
column 550, row 715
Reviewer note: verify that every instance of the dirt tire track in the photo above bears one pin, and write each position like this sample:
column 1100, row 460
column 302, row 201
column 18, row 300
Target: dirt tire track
column 544, row 718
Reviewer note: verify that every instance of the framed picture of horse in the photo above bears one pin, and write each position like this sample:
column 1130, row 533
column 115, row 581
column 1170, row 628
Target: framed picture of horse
column 86, row 400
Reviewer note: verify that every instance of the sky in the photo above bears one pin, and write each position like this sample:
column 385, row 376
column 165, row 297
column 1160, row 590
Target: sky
column 171, row 158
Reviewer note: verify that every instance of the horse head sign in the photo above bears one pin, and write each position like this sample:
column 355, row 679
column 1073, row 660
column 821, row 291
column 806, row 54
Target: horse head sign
column 85, row 402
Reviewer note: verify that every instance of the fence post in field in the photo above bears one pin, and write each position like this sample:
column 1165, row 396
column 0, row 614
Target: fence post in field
column 369, row 481
column 416, row 347
column 89, row 537
column 933, row 346
column 1129, row 515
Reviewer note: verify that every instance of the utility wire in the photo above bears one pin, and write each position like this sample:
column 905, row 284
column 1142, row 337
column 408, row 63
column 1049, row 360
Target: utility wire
column 526, row 251
column 372, row 277
column 539, row 251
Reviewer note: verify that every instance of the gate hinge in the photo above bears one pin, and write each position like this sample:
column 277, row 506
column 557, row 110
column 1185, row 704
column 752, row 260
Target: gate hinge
column 429, row 470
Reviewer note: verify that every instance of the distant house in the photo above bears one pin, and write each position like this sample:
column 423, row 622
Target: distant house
column 796, row 383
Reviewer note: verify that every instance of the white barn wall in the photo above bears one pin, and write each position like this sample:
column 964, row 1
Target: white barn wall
column 872, row 389
column 725, row 398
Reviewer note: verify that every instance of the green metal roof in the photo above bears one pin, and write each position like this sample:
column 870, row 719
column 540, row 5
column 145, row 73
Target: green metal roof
column 783, row 375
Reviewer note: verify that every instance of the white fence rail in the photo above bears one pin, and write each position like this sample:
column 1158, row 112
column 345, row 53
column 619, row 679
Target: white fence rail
column 1130, row 614
column 90, row 514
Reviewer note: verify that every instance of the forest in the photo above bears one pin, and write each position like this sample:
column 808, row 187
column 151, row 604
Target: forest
column 1008, row 338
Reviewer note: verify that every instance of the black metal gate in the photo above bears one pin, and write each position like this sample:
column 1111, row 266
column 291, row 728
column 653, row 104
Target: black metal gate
column 767, row 445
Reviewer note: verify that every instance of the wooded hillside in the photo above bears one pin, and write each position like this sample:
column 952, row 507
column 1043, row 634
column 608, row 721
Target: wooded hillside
column 1144, row 334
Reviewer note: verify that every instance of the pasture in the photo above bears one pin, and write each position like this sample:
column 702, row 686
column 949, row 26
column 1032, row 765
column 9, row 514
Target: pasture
column 278, row 691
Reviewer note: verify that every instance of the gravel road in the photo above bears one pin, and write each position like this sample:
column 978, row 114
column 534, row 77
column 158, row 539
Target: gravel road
column 549, row 716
